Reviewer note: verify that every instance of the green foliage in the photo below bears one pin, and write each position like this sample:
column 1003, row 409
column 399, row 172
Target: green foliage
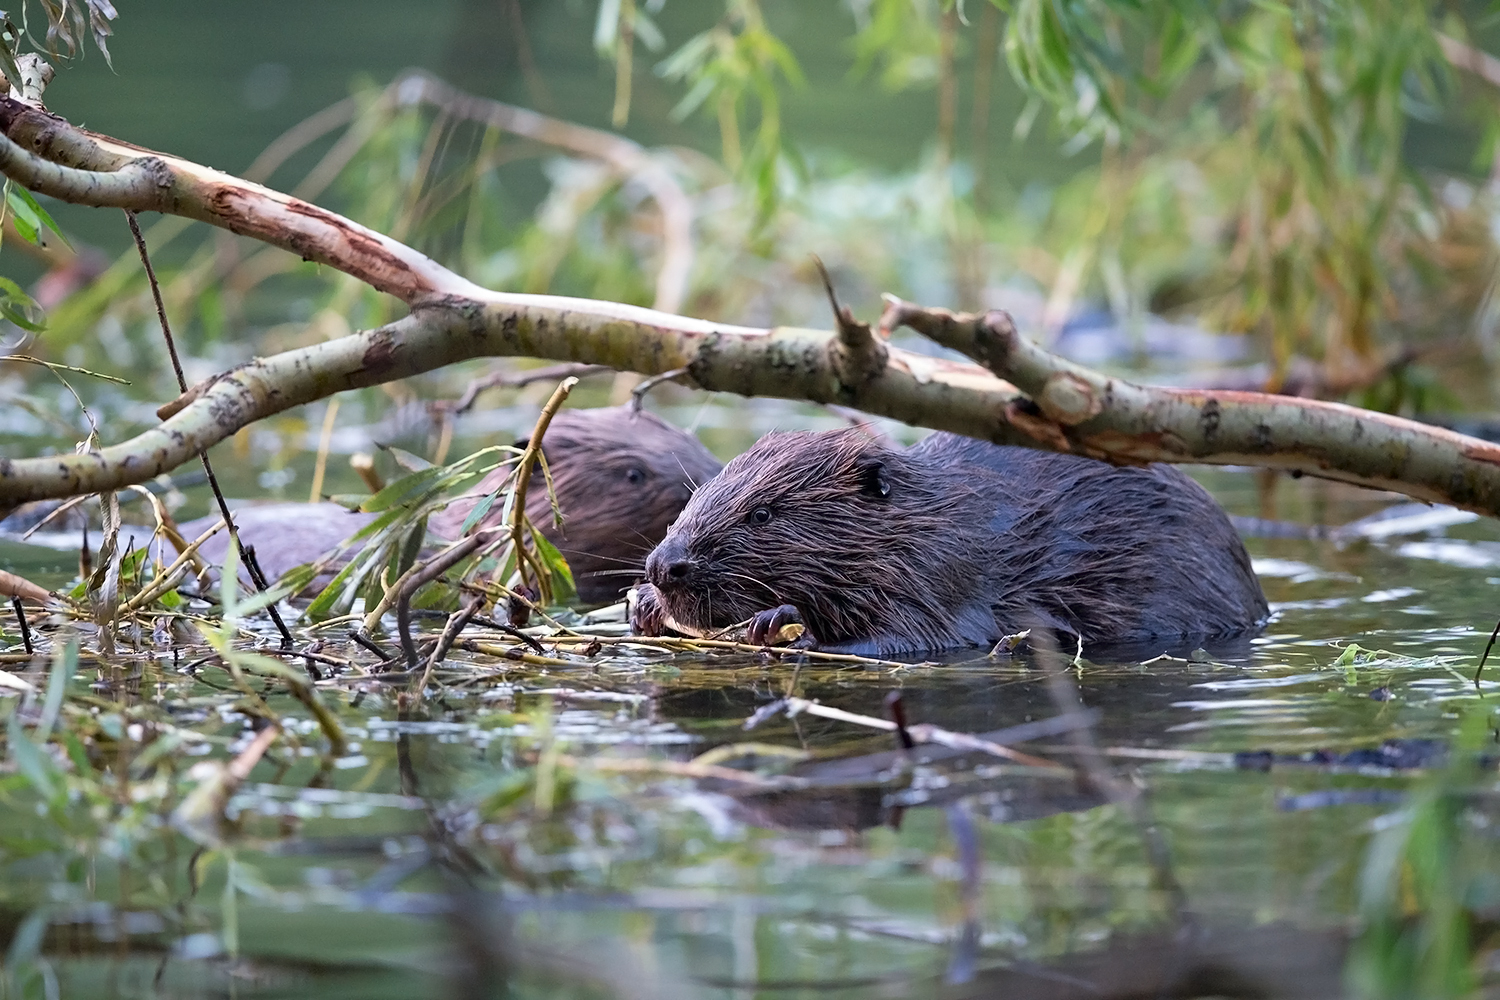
column 1272, row 132
column 901, row 36
column 20, row 308
column 28, row 217
column 1252, row 166
column 387, row 547
column 68, row 23
column 1419, row 885
column 30, row 222
column 734, row 65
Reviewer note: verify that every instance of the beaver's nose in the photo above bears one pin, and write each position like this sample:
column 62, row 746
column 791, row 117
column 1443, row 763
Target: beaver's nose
column 669, row 564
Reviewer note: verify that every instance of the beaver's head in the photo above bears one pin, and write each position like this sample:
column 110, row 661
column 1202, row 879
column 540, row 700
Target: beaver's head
column 620, row 479
column 837, row 524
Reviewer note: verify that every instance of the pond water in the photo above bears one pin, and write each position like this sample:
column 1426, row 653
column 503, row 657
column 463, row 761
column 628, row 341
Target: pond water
column 526, row 825
column 555, row 824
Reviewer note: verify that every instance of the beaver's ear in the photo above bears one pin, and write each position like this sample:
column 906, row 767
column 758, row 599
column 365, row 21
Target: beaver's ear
column 873, row 479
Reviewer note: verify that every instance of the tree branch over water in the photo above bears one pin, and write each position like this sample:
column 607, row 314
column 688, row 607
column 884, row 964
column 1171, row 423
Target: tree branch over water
column 1072, row 408
column 1064, row 407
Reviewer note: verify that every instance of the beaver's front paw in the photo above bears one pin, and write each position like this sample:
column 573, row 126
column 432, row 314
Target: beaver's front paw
column 777, row 625
column 647, row 615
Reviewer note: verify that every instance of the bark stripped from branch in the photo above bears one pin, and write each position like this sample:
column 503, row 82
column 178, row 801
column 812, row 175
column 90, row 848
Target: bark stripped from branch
column 76, row 166
column 196, row 192
column 1072, row 408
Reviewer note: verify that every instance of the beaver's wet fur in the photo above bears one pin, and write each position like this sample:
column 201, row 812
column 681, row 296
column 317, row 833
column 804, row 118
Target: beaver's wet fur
column 621, row 476
column 953, row 542
column 283, row 535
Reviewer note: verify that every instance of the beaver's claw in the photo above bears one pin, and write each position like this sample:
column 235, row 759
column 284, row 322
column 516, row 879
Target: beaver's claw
column 647, row 615
column 766, row 626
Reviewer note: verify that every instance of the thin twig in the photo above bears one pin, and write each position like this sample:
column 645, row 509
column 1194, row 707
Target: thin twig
column 363, row 640
column 979, row 120
column 315, row 656
column 161, row 309
column 325, row 440
column 947, row 83
column 424, row 573
column 924, row 733
column 444, row 558
column 168, row 578
column 679, row 768
column 510, row 630
column 645, row 385
column 169, row 530
column 691, row 644
column 523, row 477
column 854, row 333
column 897, row 710
column 1479, row 670
column 15, row 603
column 512, row 653
column 256, row 576
column 456, row 623
column 54, row 513
column 516, row 380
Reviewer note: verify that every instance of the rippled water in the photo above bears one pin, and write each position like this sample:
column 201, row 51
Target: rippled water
column 470, row 836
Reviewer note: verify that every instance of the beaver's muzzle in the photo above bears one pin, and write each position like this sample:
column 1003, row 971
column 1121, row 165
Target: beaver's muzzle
column 669, row 567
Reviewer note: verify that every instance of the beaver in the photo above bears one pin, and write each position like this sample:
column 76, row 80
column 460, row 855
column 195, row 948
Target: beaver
column 882, row 551
column 620, row 475
column 283, row 535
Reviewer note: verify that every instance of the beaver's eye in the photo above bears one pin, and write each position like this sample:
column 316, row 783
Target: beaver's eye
column 635, row 475
column 760, row 515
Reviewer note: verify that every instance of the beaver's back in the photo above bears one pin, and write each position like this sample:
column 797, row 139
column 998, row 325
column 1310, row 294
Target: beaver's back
column 1113, row 554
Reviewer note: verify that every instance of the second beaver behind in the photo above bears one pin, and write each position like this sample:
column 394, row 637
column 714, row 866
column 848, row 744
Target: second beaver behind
column 953, row 542
column 620, row 476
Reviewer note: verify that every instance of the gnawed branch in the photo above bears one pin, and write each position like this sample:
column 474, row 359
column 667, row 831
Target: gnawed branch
column 39, row 143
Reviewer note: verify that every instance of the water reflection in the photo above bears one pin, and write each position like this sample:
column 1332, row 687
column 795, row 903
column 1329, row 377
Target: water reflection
column 499, row 833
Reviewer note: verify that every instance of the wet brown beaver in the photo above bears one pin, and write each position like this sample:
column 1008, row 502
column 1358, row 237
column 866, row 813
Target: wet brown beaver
column 620, row 478
column 950, row 543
